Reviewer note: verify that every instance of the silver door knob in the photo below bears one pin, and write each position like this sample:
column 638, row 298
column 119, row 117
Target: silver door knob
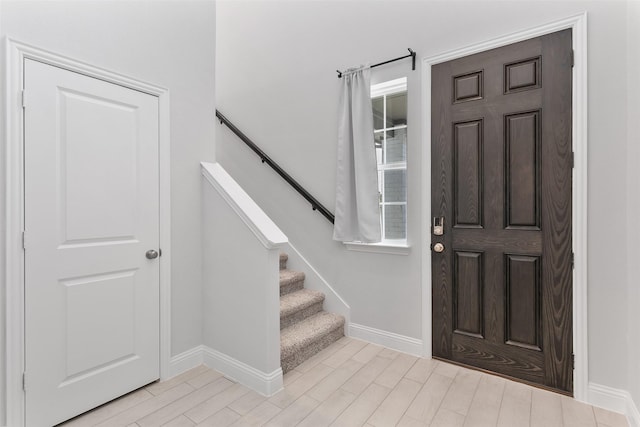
column 438, row 247
column 151, row 254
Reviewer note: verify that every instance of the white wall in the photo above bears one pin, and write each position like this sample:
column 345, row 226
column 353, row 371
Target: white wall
column 171, row 44
column 277, row 82
column 241, row 291
column 633, row 178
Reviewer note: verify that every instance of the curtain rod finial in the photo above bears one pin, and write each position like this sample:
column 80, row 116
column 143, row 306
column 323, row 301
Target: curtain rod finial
column 339, row 74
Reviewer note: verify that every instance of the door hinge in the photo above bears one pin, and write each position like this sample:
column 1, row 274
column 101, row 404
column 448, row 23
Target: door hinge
column 24, row 240
column 24, row 99
column 573, row 159
column 573, row 361
column 573, row 260
column 573, row 59
column 24, row 381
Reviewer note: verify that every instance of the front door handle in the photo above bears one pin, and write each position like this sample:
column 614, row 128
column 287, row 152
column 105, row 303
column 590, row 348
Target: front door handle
column 151, row 254
column 438, row 247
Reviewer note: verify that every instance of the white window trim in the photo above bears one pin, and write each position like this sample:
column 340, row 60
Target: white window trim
column 402, row 246
column 382, row 248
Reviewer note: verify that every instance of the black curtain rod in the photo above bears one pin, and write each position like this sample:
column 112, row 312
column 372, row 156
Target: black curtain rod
column 412, row 54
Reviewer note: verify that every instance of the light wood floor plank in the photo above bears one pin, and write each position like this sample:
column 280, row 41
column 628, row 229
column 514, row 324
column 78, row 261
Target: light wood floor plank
column 246, row 403
column 389, row 354
column 294, row 413
column 486, row 403
column 447, row 369
column 399, row 366
column 365, row 376
column 367, row 353
column 204, row 410
column 147, row 407
column 393, row 407
column 260, row 415
column 223, row 418
column 334, row 380
column 291, row 376
column 293, row 391
column 516, row 405
column 319, row 357
column 184, row 404
column 577, row 414
column 448, row 418
column 329, row 410
column 204, row 379
column 608, row 418
column 111, row 409
column 180, row 421
column 426, row 404
column 345, row 353
column 361, row 409
column 458, row 398
column 353, row 384
column 546, row 409
column 160, row 387
column 421, row 370
column 407, row 421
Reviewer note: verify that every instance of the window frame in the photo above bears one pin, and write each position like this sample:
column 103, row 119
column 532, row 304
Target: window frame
column 389, row 246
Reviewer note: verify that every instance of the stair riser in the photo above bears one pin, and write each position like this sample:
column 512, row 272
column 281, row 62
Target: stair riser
column 300, row 315
column 301, row 355
column 291, row 287
column 283, row 261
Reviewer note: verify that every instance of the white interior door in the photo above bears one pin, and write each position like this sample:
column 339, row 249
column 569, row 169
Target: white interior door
column 91, row 214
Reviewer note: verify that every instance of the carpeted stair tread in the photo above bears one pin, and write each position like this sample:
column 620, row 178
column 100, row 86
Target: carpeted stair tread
column 290, row 281
column 301, row 337
column 299, row 300
column 283, row 260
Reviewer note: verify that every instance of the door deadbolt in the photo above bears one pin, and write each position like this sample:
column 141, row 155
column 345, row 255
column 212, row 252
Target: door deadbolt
column 151, row 254
column 438, row 247
column 438, row 225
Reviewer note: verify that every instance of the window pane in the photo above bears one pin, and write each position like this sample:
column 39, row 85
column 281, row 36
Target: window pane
column 377, row 140
column 396, row 109
column 395, row 185
column 396, row 146
column 395, row 217
column 378, row 112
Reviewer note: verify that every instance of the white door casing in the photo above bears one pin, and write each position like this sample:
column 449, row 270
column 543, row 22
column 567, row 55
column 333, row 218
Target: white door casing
column 14, row 214
column 91, row 213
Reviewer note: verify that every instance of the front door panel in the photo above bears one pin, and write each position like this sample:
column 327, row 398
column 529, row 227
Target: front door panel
column 501, row 178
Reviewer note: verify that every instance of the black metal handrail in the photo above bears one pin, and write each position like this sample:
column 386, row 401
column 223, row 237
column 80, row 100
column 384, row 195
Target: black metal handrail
column 315, row 204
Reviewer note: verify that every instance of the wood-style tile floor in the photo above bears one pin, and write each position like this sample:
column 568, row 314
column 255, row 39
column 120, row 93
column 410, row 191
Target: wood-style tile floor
column 351, row 383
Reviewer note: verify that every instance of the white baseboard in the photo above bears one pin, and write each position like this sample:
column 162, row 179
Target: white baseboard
column 388, row 339
column 616, row 400
column 266, row 384
column 184, row 361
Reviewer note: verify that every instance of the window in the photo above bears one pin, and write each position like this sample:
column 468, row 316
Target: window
column 389, row 101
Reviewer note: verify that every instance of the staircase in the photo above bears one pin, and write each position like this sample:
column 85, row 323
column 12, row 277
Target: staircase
column 305, row 328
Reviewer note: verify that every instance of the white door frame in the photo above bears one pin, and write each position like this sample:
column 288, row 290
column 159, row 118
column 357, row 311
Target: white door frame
column 16, row 53
column 578, row 25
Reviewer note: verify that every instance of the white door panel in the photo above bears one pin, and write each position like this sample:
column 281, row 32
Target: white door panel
column 91, row 213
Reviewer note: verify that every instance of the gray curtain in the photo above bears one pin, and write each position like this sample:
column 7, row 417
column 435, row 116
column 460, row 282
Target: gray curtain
column 357, row 205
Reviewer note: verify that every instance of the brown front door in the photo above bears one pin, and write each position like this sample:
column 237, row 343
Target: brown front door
column 501, row 182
